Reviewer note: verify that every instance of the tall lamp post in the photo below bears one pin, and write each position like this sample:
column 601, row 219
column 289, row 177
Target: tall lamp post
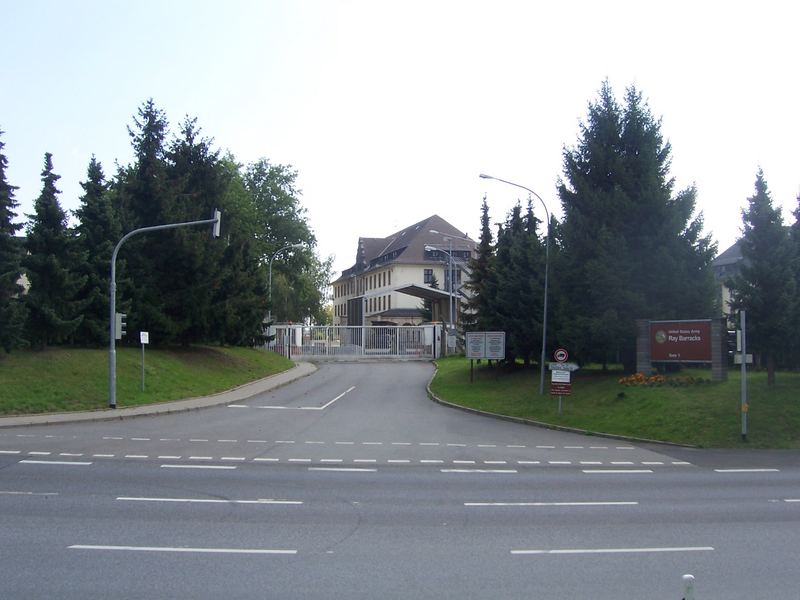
column 452, row 301
column 546, row 268
column 269, row 289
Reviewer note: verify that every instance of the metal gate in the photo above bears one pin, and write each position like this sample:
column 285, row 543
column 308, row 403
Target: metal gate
column 356, row 343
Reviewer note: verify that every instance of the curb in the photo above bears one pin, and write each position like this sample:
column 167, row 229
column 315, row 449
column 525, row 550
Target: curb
column 541, row 424
column 238, row 393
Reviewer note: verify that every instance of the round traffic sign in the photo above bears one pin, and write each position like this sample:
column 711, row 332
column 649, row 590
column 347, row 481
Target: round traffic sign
column 561, row 355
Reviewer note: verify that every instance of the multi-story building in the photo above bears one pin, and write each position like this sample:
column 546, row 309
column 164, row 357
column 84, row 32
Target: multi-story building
column 392, row 276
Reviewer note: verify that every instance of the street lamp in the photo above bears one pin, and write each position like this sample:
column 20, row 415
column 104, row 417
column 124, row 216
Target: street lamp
column 546, row 267
column 269, row 290
column 452, row 303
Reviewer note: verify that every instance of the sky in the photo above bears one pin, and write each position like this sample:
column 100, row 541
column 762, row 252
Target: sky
column 389, row 110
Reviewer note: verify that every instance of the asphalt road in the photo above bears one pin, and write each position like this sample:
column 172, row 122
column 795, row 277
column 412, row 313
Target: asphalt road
column 350, row 483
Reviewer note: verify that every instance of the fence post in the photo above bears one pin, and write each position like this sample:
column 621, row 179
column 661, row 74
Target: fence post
column 688, row 587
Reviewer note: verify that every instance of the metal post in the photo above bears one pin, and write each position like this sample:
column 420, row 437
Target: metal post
column 142, row 367
column 112, row 296
column 688, row 587
column 743, row 324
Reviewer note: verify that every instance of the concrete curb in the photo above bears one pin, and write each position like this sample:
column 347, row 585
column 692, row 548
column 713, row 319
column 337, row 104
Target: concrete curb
column 237, row 394
column 542, row 424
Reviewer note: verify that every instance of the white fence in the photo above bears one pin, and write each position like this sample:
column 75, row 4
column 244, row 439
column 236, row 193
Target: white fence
column 354, row 343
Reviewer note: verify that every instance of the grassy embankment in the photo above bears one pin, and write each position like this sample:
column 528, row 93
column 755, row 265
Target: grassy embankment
column 66, row 379
column 701, row 414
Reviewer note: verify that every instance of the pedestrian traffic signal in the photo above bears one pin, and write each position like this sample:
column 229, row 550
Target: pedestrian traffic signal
column 121, row 325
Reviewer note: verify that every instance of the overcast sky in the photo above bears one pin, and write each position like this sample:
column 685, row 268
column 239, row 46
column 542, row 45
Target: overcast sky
column 390, row 110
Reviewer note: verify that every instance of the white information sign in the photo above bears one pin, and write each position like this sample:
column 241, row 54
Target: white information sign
column 144, row 337
column 560, row 376
column 486, row 344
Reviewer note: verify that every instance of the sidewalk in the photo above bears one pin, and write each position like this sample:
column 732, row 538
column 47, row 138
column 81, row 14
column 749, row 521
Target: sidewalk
column 301, row 369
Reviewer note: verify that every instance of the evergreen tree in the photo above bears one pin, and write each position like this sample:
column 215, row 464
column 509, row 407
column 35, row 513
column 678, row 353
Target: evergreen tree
column 98, row 232
column 12, row 309
column 51, row 265
column 765, row 286
column 630, row 247
column 479, row 314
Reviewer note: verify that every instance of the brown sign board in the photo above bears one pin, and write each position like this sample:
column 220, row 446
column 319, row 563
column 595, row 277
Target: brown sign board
column 680, row 341
column 560, row 389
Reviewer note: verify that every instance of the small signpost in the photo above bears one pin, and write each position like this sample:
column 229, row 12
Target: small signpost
column 484, row 344
column 560, row 376
column 144, row 338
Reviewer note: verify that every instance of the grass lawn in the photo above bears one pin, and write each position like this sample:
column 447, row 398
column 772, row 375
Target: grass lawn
column 69, row 379
column 700, row 414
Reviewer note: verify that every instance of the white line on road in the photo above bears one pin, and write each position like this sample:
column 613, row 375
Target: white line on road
column 55, row 462
column 791, row 500
column 266, row 460
column 501, row 471
column 16, row 493
column 747, row 470
column 616, row 550
column 343, row 469
column 616, row 471
column 550, row 504
column 183, row 549
column 198, row 467
column 238, row 406
column 209, row 500
column 9, row 451
column 350, row 389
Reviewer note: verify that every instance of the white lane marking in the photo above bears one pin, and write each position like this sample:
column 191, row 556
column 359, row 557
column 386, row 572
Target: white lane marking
column 9, row 451
column 515, row 446
column 345, row 443
column 227, row 441
column 747, row 470
column 300, row 460
column 791, row 500
column 463, row 462
column 501, row 471
column 598, row 447
column 238, row 406
column 256, row 441
column 284, row 441
column 573, row 447
column 169, row 457
column 201, row 458
column 616, row 471
column 208, row 500
column 197, row 440
column 625, row 448
column 343, row 469
column 137, row 439
column 70, row 454
column 364, row 460
column 240, row 458
column 16, row 493
column 495, row 462
column 546, row 447
column 398, row 461
column 522, row 504
column 313, row 442
column 401, row 443
column 591, row 462
column 226, row 467
column 457, row 445
column 112, row 437
column 39, row 453
column 616, row 550
column 652, row 462
column 429, row 444
column 681, row 462
column 431, row 462
column 559, row 462
column 350, row 389
column 621, row 462
column 55, row 462
column 323, row 407
column 528, row 462
column 487, row 445
column 169, row 439
column 182, row 549
column 371, row 443
column 266, row 460
column 136, row 456
column 103, row 455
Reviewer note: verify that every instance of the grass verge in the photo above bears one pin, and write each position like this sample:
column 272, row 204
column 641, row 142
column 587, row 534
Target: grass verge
column 69, row 379
column 700, row 414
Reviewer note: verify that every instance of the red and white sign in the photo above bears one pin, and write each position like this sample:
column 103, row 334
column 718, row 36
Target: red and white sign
column 561, row 355
column 680, row 341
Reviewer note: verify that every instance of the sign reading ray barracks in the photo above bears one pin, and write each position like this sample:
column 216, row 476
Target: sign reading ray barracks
column 680, row 341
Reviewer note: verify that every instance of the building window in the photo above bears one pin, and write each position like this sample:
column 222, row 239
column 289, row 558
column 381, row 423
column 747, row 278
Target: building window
column 428, row 275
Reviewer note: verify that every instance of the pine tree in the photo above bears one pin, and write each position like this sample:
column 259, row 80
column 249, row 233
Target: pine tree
column 631, row 248
column 12, row 309
column 51, row 265
column 98, row 232
column 765, row 286
column 479, row 314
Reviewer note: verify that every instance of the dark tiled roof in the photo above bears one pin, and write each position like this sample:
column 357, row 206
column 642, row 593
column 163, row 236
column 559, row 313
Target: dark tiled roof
column 407, row 246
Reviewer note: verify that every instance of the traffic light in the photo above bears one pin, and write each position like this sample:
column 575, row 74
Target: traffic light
column 216, row 226
column 119, row 330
